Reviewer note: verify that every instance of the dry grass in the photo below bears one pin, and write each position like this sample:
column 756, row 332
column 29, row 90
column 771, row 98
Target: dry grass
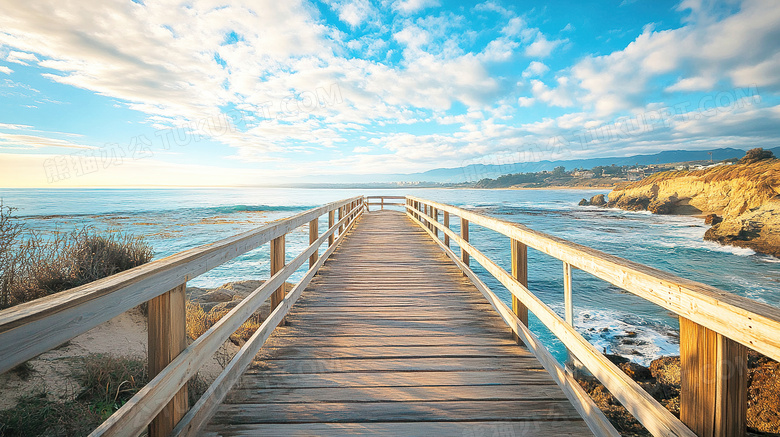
column 199, row 321
column 33, row 266
column 765, row 174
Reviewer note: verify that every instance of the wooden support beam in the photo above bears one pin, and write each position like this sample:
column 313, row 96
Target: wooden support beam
column 340, row 216
column 464, row 234
column 277, row 263
column 713, row 370
column 567, row 298
column 331, row 222
column 435, row 215
column 383, row 203
column 519, row 272
column 314, row 234
column 446, row 220
column 167, row 331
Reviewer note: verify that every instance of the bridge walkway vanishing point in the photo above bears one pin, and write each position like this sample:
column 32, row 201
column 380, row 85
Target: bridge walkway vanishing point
column 391, row 338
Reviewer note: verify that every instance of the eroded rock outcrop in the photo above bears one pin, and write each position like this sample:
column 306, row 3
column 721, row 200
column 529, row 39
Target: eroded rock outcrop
column 746, row 196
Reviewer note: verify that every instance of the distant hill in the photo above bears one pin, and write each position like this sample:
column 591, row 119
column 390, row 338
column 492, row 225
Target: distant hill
column 475, row 172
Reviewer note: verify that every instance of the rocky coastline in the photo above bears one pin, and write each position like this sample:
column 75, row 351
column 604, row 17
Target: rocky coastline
column 740, row 201
column 662, row 381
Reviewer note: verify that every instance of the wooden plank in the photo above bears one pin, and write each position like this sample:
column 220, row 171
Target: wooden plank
column 514, row 392
column 167, row 332
column 202, row 411
column 368, row 349
column 382, row 352
column 749, row 322
column 713, row 395
column 559, row 428
column 32, row 328
column 388, row 411
column 452, row 378
column 391, row 365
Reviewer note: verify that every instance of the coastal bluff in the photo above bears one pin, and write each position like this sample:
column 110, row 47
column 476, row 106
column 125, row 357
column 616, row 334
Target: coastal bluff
column 742, row 201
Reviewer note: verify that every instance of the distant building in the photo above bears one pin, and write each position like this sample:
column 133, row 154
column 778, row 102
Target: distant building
column 635, row 174
column 585, row 174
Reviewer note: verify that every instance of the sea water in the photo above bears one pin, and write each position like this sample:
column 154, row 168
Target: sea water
column 172, row 220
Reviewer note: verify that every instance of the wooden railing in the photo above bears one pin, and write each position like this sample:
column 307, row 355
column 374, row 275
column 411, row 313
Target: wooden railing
column 715, row 326
column 400, row 201
column 30, row 329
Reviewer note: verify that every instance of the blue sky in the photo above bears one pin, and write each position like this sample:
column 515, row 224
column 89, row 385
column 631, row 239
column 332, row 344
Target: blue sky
column 137, row 93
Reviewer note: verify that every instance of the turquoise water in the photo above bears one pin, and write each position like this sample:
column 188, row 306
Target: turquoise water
column 175, row 220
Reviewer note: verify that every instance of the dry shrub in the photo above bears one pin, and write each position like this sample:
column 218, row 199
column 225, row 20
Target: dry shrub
column 33, row 266
column 199, row 321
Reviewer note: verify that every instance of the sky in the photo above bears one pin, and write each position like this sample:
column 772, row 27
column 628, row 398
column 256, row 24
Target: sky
column 223, row 93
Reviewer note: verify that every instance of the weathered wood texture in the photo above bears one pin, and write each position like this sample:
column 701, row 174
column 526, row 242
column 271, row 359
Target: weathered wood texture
column 167, row 328
column 376, row 345
column 713, row 396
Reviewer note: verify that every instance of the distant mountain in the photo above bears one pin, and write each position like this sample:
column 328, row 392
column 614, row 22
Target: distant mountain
column 475, row 172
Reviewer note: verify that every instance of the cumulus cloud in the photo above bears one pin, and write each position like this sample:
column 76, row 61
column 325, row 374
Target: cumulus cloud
column 6, row 70
column 740, row 49
column 535, row 68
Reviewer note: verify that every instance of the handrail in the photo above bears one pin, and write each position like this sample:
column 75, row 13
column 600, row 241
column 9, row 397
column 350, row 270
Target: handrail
column 593, row 417
column 35, row 327
column 751, row 323
column 29, row 329
column 382, row 203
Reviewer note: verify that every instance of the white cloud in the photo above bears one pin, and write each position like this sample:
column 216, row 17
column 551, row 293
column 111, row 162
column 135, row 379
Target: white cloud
column 525, row 101
column 411, row 6
column 362, row 149
column 37, row 142
column 6, row 70
column 542, row 47
column 558, row 96
column 693, row 84
column 535, row 68
column 354, row 12
column 21, row 57
column 743, row 49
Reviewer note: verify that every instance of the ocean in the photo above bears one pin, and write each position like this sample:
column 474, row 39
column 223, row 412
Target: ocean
column 172, row 220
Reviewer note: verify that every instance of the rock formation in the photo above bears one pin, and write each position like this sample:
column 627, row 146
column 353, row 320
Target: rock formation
column 744, row 200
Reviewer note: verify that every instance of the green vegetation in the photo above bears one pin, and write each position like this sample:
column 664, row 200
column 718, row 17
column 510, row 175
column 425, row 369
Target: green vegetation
column 600, row 177
column 33, row 266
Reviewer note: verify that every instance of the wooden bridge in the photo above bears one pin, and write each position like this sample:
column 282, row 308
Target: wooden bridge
column 391, row 333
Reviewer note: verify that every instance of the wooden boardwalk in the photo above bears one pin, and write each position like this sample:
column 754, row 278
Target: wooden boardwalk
column 391, row 339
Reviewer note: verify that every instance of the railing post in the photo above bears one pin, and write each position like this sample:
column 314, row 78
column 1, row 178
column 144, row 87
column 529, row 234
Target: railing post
column 435, row 215
column 572, row 363
column 167, row 334
column 314, row 233
column 713, row 392
column 331, row 222
column 464, row 234
column 341, row 216
column 519, row 272
column 567, row 298
column 382, row 200
column 277, row 263
column 446, row 220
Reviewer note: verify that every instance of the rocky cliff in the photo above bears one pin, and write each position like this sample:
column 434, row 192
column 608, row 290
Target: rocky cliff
column 745, row 195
